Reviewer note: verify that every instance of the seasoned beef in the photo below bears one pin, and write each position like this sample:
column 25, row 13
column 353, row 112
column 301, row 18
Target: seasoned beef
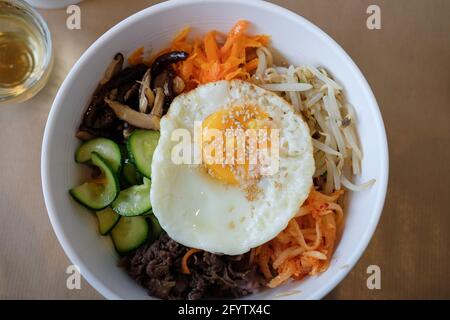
column 157, row 267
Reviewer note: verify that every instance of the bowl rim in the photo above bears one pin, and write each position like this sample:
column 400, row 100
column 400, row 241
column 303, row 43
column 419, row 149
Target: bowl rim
column 49, row 128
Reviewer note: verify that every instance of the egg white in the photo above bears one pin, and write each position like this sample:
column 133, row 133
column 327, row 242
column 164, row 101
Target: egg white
column 201, row 212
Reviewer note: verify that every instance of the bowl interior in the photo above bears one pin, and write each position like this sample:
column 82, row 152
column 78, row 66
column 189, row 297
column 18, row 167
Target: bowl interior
column 298, row 41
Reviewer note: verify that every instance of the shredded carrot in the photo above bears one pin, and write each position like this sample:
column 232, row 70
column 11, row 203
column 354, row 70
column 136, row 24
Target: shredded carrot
column 184, row 261
column 305, row 246
column 211, row 60
column 136, row 57
column 251, row 65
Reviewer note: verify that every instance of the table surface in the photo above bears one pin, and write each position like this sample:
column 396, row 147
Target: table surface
column 407, row 64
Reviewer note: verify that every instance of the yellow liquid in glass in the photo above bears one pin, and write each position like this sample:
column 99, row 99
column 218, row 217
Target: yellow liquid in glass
column 21, row 50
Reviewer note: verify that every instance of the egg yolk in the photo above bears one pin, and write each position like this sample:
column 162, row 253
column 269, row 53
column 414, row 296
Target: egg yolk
column 237, row 117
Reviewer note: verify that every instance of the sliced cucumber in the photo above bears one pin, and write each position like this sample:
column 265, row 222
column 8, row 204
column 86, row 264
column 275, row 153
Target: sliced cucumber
column 107, row 219
column 99, row 193
column 129, row 233
column 156, row 229
column 141, row 145
column 133, row 201
column 107, row 149
column 123, row 151
column 130, row 175
column 147, row 214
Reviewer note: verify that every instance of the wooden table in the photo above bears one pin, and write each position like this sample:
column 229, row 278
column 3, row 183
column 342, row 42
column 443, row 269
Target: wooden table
column 407, row 63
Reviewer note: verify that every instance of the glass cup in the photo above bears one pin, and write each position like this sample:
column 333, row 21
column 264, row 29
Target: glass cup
column 26, row 55
column 52, row 4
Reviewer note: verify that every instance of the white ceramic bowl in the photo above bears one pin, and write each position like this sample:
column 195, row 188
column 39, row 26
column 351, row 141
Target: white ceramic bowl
column 299, row 41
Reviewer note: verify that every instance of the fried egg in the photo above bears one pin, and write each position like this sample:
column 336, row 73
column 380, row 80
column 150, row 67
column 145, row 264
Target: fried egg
column 230, row 207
